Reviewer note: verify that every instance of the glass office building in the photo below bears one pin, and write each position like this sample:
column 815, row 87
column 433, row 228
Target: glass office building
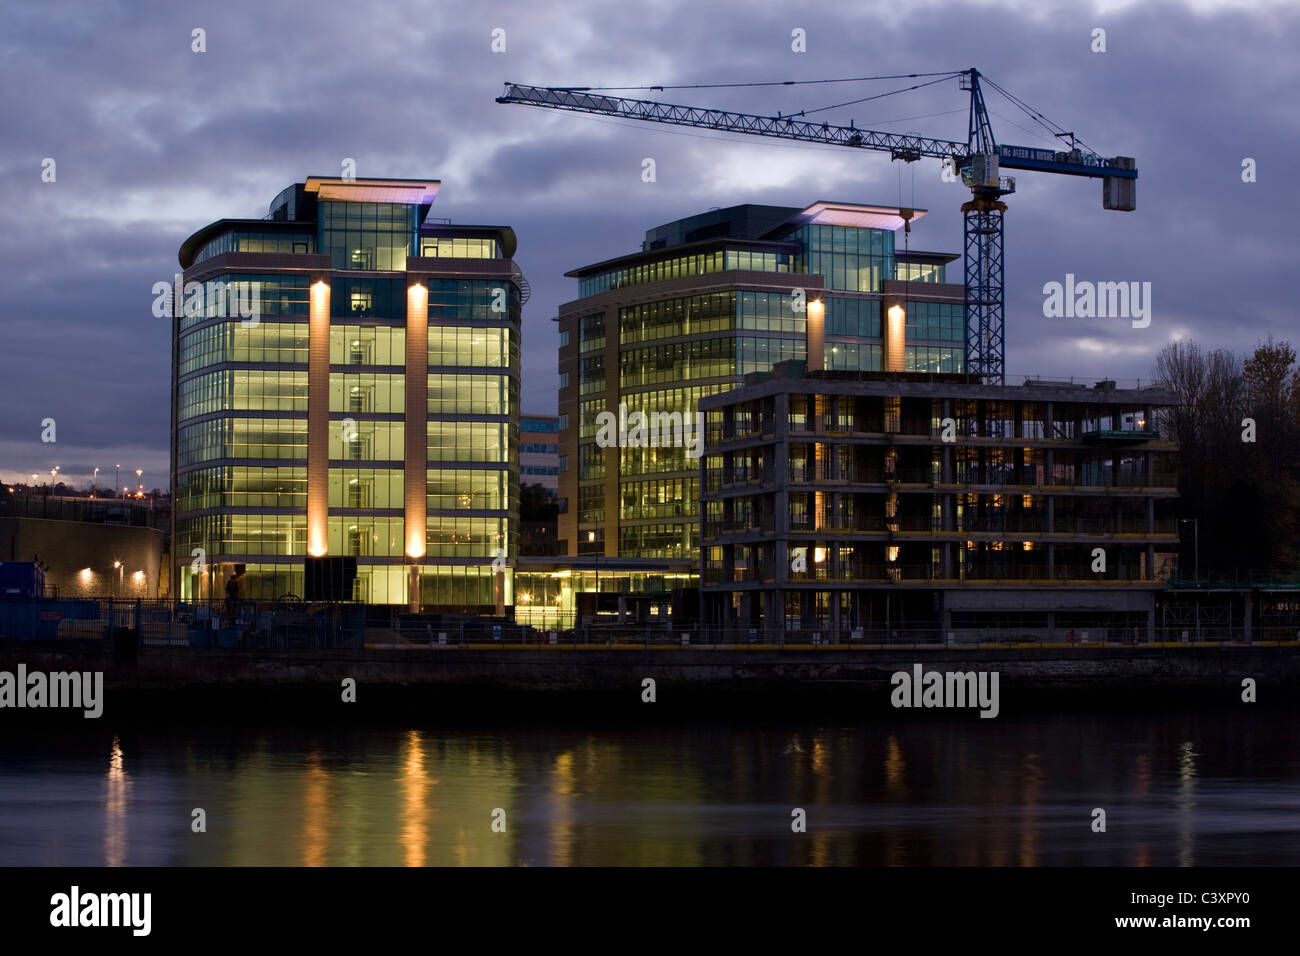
column 345, row 382
column 708, row 300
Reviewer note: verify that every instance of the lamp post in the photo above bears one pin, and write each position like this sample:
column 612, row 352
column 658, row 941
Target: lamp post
column 120, row 571
column 117, row 475
column 94, row 477
column 591, row 538
column 140, row 484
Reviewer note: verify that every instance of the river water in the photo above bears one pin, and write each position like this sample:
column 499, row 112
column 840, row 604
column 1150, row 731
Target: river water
column 1209, row 788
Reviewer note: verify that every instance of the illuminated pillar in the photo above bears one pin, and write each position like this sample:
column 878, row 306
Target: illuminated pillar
column 415, row 464
column 895, row 332
column 816, row 331
column 318, row 419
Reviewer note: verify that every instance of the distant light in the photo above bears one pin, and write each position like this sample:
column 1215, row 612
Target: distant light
column 591, row 536
column 86, row 574
column 117, row 564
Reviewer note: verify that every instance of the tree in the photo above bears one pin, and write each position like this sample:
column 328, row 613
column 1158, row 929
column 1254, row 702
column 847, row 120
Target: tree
column 1244, row 495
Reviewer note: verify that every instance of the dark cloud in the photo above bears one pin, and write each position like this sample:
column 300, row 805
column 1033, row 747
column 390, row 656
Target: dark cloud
column 153, row 141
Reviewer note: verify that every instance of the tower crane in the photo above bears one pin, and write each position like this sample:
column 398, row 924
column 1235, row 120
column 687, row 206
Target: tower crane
column 979, row 160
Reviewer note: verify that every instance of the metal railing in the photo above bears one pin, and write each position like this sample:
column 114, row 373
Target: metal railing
column 164, row 623
column 296, row 625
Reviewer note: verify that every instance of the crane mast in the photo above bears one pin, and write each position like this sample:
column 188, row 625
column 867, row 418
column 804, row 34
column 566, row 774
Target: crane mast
column 979, row 160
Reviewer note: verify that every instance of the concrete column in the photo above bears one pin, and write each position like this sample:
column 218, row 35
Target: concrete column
column 416, row 449
column 895, row 329
column 318, row 418
column 815, row 327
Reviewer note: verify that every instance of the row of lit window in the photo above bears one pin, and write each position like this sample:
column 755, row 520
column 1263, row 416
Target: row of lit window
column 440, row 585
column 241, row 438
column 686, row 315
column 264, row 242
column 232, row 341
column 936, row 320
column 663, row 498
column 678, row 362
column 356, row 488
column 239, row 295
column 286, row 343
column 657, row 540
column 242, row 390
column 933, row 358
column 760, row 354
column 472, row 394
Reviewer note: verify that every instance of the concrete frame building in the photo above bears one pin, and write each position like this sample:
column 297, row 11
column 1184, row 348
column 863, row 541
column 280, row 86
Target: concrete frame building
column 345, row 380
column 707, row 300
column 876, row 504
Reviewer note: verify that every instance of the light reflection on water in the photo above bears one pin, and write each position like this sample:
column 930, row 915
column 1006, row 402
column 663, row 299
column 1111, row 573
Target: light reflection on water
column 1196, row 790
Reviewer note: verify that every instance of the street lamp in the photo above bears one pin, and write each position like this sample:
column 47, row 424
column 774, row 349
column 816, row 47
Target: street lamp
column 117, row 475
column 120, row 571
column 94, row 477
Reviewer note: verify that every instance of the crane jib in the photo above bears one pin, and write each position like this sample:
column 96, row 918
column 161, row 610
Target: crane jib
column 1074, row 162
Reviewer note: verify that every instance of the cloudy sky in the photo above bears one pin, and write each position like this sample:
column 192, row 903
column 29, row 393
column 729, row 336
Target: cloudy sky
column 152, row 140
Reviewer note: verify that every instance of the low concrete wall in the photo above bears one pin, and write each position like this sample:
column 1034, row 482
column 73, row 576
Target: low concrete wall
column 72, row 548
column 598, row 668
